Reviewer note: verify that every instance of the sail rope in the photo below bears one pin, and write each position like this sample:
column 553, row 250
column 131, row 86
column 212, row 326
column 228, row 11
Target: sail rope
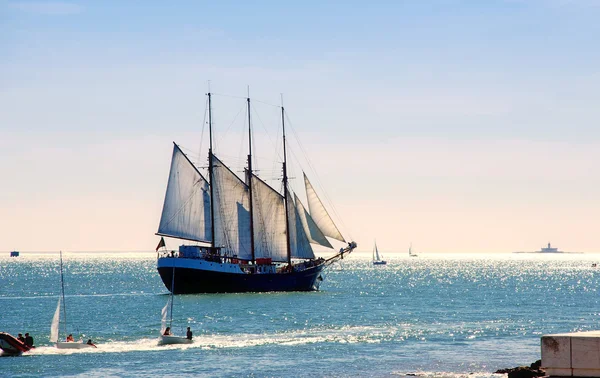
column 314, row 171
column 204, row 122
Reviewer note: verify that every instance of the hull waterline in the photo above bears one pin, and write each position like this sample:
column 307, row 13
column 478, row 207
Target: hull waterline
column 199, row 279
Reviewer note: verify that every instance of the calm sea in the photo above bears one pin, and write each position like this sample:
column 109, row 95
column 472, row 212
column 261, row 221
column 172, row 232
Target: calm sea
column 436, row 315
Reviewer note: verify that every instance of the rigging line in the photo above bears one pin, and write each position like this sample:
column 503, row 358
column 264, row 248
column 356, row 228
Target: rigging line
column 230, row 96
column 266, row 103
column 204, row 122
column 330, row 203
column 244, row 98
column 231, row 124
column 274, row 144
column 243, row 151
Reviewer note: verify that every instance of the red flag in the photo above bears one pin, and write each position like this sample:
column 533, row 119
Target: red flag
column 161, row 243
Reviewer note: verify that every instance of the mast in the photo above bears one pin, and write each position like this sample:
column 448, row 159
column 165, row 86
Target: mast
column 62, row 284
column 285, row 190
column 250, row 180
column 172, row 291
column 210, row 174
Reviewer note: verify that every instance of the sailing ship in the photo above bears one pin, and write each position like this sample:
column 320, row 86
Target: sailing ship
column 54, row 329
column 249, row 237
column 377, row 259
column 410, row 252
column 166, row 337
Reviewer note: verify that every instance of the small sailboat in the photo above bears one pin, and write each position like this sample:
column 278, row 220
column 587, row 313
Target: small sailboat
column 54, row 329
column 166, row 337
column 377, row 259
column 410, row 252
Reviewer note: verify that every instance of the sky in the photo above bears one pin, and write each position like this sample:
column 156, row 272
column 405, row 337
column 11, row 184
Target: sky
column 457, row 126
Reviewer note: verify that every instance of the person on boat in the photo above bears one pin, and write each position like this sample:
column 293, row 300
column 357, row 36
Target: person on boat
column 21, row 338
column 167, row 332
column 189, row 333
column 28, row 340
column 70, row 338
column 89, row 342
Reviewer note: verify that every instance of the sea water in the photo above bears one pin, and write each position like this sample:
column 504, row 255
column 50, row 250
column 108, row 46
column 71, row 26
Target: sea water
column 435, row 315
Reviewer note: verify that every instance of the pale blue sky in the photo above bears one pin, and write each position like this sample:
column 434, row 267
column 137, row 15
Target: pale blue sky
column 463, row 125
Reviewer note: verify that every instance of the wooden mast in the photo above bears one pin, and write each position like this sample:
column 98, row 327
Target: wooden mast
column 210, row 174
column 285, row 190
column 249, row 179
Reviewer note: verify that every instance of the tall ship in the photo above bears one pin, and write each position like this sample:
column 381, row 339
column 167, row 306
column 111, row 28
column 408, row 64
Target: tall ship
column 242, row 235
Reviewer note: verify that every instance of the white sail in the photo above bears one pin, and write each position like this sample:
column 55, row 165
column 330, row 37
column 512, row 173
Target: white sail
column 186, row 210
column 299, row 243
column 320, row 214
column 163, row 325
column 269, row 221
column 232, row 212
column 55, row 324
column 376, row 251
column 314, row 234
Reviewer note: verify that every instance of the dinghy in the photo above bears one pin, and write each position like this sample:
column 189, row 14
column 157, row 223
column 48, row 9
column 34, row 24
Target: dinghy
column 54, row 329
column 166, row 337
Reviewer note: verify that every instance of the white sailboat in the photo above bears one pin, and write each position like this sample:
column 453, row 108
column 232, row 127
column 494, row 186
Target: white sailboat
column 377, row 259
column 410, row 252
column 54, row 329
column 167, row 338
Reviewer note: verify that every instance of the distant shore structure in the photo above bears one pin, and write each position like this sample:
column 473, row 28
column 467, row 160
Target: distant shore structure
column 549, row 249
column 14, row 254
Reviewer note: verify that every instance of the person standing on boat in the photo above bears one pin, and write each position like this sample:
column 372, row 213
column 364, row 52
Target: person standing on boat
column 189, row 333
column 28, row 340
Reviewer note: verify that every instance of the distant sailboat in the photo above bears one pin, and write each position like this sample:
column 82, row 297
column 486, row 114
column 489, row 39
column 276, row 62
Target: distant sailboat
column 377, row 259
column 166, row 337
column 410, row 253
column 54, row 329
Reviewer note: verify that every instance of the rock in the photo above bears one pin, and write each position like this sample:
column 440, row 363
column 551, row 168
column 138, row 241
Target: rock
column 534, row 370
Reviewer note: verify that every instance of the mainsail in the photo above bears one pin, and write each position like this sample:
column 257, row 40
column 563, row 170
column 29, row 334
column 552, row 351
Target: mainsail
column 320, row 214
column 164, row 311
column 186, row 210
column 314, row 234
column 55, row 323
column 269, row 221
column 299, row 243
column 232, row 214
column 376, row 256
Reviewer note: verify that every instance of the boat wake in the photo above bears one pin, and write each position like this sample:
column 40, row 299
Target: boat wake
column 342, row 335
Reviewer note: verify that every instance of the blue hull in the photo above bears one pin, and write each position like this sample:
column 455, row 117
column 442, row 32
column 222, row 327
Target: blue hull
column 192, row 281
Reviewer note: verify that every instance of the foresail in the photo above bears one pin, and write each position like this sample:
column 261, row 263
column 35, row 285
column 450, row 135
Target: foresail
column 269, row 221
column 232, row 212
column 55, row 323
column 314, row 234
column 320, row 214
column 299, row 243
column 186, row 210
